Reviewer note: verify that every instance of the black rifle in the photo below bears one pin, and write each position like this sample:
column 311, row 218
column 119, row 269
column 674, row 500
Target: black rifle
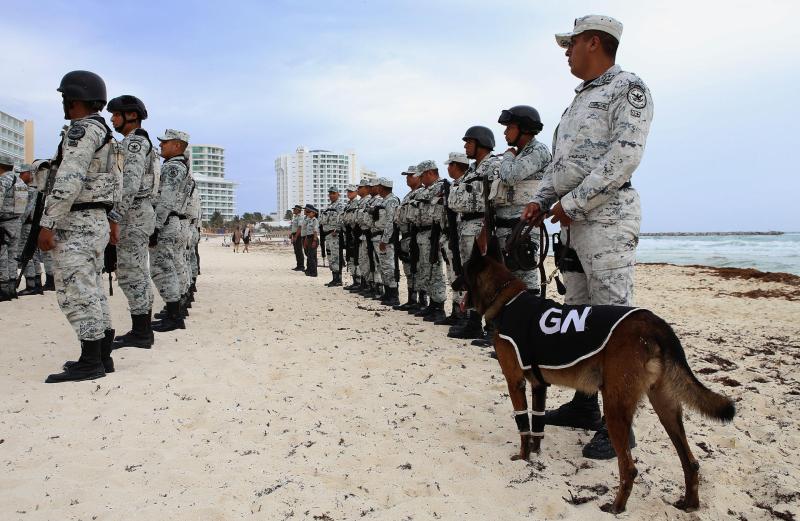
column 489, row 215
column 452, row 234
column 322, row 235
column 413, row 248
column 342, row 257
column 370, row 253
column 32, row 242
column 356, row 245
column 110, row 264
column 395, row 240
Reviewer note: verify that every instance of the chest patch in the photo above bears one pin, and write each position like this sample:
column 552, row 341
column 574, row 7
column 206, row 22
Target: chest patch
column 554, row 336
column 598, row 105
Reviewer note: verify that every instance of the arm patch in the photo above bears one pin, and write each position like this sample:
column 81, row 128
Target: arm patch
column 76, row 132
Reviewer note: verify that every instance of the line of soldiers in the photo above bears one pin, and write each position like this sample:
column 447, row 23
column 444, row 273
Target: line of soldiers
column 105, row 205
column 584, row 186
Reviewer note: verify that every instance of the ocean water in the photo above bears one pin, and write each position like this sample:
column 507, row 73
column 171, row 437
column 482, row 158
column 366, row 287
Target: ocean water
column 776, row 253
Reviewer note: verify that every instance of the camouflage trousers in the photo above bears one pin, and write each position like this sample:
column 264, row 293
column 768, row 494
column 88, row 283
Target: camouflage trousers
column 332, row 250
column 405, row 247
column 363, row 261
column 351, row 266
column 386, row 262
column 607, row 252
column 450, row 270
column 182, row 257
column 33, row 267
column 9, row 234
column 529, row 277
column 377, row 274
column 194, row 240
column 77, row 270
column 430, row 277
column 133, row 267
column 164, row 261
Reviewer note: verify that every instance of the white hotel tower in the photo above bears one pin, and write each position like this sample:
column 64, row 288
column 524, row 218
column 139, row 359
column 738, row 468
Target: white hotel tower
column 304, row 177
column 216, row 192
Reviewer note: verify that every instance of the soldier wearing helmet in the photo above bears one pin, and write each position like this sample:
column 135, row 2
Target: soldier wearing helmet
column 79, row 220
column 521, row 169
column 140, row 176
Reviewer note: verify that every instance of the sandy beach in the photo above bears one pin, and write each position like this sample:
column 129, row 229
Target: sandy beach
column 284, row 399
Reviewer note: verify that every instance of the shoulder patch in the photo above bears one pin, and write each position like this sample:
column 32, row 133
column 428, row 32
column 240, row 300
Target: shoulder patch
column 637, row 97
column 134, row 147
column 76, row 132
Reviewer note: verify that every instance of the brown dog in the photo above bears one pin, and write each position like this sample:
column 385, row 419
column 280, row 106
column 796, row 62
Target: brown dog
column 641, row 356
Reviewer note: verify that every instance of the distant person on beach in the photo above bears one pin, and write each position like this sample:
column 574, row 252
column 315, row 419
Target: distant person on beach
column 295, row 236
column 598, row 145
column 246, row 235
column 236, row 238
column 311, row 239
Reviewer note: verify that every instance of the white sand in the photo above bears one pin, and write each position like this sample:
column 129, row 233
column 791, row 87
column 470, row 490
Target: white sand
column 285, row 399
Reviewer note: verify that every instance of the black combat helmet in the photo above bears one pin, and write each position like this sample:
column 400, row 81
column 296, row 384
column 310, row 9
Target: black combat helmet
column 83, row 86
column 128, row 103
column 524, row 116
column 482, row 135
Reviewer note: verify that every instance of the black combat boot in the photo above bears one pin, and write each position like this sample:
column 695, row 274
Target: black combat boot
column 412, row 301
column 333, row 279
column 600, row 447
column 173, row 321
column 392, row 298
column 187, row 300
column 4, row 293
column 49, row 283
column 105, row 352
column 468, row 328
column 437, row 312
column 338, row 279
column 140, row 335
column 422, row 303
column 87, row 367
column 355, row 286
column 427, row 310
column 161, row 314
column 33, row 286
column 193, row 286
column 453, row 318
column 582, row 412
column 488, row 337
column 378, row 292
column 12, row 288
column 366, row 287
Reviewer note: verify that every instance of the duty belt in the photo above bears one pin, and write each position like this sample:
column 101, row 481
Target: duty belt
column 506, row 223
column 375, row 234
column 424, row 228
column 140, row 197
column 471, row 216
column 106, row 207
column 4, row 219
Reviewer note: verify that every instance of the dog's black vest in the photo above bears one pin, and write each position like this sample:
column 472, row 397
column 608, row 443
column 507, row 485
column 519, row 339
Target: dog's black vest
column 550, row 335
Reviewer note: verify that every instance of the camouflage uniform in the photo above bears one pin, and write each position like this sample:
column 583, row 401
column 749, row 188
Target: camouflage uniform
column 166, row 260
column 430, row 206
column 86, row 181
column 466, row 198
column 597, row 146
column 190, row 211
column 13, row 201
column 403, row 221
column 330, row 221
column 297, row 222
column 372, row 233
column 383, row 227
column 310, row 228
column 195, row 217
column 348, row 221
column 181, row 254
column 363, row 220
column 32, row 269
column 140, row 176
column 517, row 180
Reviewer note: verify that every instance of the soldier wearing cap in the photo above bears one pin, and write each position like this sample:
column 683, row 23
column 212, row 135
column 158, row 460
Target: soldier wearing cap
column 295, row 236
column 311, row 239
column 457, row 164
column 79, row 221
column 597, row 147
column 40, row 174
column 430, row 223
column 383, row 239
column 373, row 231
column 140, row 177
column 521, row 169
column 363, row 221
column 404, row 223
column 348, row 230
column 330, row 222
column 32, row 270
column 167, row 261
column 13, row 202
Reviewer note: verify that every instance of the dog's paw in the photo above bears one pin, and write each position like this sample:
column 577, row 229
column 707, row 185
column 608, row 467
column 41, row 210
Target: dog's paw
column 686, row 506
column 611, row 509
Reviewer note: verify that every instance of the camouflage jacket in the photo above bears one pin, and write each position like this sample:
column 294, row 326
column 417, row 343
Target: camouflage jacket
column 383, row 217
column 139, row 169
column 172, row 193
column 596, row 148
column 330, row 219
column 518, row 178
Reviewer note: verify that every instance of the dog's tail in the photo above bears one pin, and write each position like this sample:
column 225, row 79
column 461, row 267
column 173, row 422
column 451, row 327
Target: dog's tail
column 682, row 381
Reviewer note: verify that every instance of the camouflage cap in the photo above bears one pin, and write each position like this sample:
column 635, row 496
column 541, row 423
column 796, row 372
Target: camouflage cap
column 363, row 182
column 333, row 189
column 171, row 134
column 352, row 188
column 426, row 165
column 373, row 181
column 24, row 167
column 384, row 181
column 411, row 170
column 592, row 22
column 312, row 208
column 457, row 157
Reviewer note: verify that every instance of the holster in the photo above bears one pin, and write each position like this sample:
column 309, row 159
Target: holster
column 566, row 257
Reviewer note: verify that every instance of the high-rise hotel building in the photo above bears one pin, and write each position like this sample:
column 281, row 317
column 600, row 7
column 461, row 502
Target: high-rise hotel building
column 305, row 176
column 217, row 194
column 16, row 138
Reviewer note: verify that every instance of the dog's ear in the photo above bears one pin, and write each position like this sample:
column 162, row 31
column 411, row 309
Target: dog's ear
column 493, row 249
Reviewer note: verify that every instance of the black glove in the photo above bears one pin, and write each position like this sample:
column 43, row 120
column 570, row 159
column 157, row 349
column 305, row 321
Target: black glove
column 154, row 238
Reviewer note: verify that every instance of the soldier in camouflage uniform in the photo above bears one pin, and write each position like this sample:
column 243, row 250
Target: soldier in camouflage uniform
column 188, row 225
column 363, row 221
column 596, row 148
column 32, row 270
column 382, row 239
column 294, row 235
column 167, row 257
column 466, row 198
column 79, row 220
column 372, row 232
column 403, row 223
column 348, row 228
column 140, row 176
column 430, row 205
column 521, row 169
column 330, row 223
column 195, row 220
column 13, row 201
column 311, row 238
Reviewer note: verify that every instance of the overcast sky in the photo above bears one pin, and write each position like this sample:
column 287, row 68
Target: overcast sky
column 400, row 81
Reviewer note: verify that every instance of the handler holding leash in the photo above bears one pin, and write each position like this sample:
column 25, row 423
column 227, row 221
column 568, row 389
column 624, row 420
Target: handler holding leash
column 598, row 145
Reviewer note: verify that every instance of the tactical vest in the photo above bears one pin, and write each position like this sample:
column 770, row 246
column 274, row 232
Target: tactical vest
column 103, row 180
column 467, row 195
column 20, row 196
column 151, row 176
column 184, row 189
column 521, row 193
